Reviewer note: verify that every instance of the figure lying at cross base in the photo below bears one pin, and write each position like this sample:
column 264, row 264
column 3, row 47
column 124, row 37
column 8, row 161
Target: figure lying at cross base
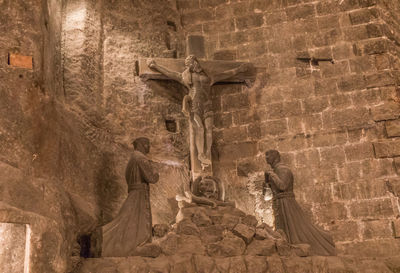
column 206, row 190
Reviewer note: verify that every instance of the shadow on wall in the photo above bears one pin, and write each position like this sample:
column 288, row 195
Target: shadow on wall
column 110, row 193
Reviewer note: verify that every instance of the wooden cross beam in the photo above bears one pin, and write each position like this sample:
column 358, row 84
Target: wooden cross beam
column 197, row 75
column 210, row 67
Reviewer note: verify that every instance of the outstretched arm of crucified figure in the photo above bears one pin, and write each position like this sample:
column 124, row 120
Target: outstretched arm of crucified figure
column 173, row 75
column 229, row 73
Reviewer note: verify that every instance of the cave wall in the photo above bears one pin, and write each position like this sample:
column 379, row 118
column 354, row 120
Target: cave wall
column 66, row 125
column 333, row 123
column 31, row 190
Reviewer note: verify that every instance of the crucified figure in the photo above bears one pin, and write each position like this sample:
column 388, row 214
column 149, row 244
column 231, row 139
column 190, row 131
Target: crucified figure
column 197, row 104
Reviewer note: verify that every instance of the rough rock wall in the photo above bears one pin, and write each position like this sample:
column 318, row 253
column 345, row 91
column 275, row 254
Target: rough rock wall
column 31, row 143
column 66, row 124
column 102, row 43
column 335, row 124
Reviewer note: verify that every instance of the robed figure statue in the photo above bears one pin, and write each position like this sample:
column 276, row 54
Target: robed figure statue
column 133, row 225
column 289, row 216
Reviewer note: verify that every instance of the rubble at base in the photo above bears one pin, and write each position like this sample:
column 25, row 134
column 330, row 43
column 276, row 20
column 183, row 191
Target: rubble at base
column 226, row 240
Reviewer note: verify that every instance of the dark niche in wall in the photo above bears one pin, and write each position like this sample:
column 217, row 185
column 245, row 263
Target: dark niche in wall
column 170, row 124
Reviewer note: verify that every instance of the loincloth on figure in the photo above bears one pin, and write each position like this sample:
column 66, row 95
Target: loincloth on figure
column 197, row 106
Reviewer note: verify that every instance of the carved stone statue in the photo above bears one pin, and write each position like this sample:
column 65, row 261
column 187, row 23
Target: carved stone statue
column 133, row 225
column 197, row 104
column 205, row 191
column 289, row 216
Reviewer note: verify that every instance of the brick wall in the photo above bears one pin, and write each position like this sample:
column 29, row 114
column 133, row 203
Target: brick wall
column 336, row 124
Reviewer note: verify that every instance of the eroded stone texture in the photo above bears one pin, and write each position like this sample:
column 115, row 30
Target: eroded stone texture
column 13, row 238
column 325, row 118
column 66, row 125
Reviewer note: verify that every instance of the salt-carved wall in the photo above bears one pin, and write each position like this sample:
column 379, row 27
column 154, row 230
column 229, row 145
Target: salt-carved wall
column 335, row 124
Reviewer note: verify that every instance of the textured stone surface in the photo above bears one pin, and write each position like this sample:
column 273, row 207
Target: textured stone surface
column 245, row 232
column 393, row 128
column 66, row 124
column 261, row 248
column 387, row 148
column 13, row 238
column 396, row 228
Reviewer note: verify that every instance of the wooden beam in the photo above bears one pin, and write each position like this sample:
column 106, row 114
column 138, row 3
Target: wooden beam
column 210, row 67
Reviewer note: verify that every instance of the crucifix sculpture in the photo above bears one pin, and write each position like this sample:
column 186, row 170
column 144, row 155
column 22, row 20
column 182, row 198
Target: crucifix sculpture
column 198, row 77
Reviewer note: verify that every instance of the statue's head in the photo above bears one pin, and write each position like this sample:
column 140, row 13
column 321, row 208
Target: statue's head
column 272, row 157
column 142, row 144
column 193, row 64
column 208, row 187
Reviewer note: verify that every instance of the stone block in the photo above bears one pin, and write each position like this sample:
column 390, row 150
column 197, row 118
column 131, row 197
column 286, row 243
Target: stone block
column 245, row 232
column 325, row 87
column 234, row 134
column 324, row 139
column 371, row 248
column 182, row 264
column 202, row 263
column 377, row 229
column 238, row 150
column 197, row 16
column 16, row 60
column 327, row 7
column 396, row 162
column 373, row 209
column 350, row 117
column 393, row 128
column 211, row 3
column 256, row 264
column 229, row 221
column 351, row 82
column 344, row 231
column 226, row 55
column 300, row 12
column 359, row 151
column 275, row 264
column 249, row 21
column 315, row 105
column 261, row 248
column 187, row 227
column 250, row 220
column 187, row 4
column 387, row 111
column 326, row 38
column 396, row 227
column 229, row 246
column 329, row 21
column 238, row 265
column 211, row 233
column 362, row 16
column 201, row 219
column 283, row 248
column 387, row 148
column 333, row 155
column 195, row 46
column 190, row 244
column 375, row 47
column 235, row 102
column 275, row 128
column 362, row 64
column 379, row 79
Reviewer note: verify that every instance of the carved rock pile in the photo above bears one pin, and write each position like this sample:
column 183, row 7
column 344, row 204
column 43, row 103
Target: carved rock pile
column 223, row 240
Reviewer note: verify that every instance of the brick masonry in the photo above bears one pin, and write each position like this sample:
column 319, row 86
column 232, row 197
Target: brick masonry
column 335, row 124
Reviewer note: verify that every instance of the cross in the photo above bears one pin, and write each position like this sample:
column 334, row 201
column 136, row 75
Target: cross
column 197, row 75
